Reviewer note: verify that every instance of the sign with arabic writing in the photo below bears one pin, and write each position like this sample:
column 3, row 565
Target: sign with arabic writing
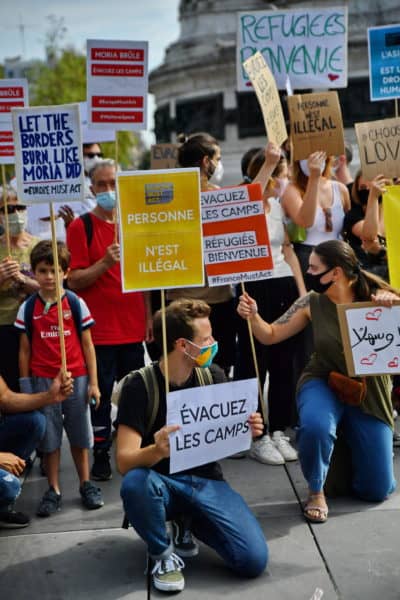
column 371, row 338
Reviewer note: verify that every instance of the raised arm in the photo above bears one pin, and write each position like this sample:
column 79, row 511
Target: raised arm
column 371, row 224
column 272, row 156
column 291, row 322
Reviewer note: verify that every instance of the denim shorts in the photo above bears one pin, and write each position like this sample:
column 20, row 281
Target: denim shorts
column 73, row 415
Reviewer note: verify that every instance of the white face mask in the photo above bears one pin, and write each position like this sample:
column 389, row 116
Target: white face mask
column 89, row 163
column 17, row 222
column 218, row 173
column 304, row 167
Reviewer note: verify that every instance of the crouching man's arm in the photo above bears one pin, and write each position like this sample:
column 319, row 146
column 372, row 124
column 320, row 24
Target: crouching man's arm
column 129, row 453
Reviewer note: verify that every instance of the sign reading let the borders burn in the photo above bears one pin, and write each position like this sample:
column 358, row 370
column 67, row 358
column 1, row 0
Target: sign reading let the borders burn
column 117, row 83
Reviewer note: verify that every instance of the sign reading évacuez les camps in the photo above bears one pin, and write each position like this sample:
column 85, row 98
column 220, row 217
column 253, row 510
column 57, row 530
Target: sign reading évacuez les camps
column 308, row 45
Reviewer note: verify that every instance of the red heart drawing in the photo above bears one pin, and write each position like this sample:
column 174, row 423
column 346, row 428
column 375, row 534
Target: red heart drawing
column 249, row 84
column 394, row 363
column 369, row 360
column 374, row 315
column 332, row 77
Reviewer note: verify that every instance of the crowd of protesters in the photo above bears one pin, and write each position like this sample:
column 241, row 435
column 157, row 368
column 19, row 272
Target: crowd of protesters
column 328, row 246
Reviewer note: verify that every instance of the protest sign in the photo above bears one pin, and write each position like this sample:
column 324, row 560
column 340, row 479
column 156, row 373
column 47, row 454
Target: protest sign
column 391, row 215
column 213, row 422
column 117, row 84
column 90, row 135
column 309, row 45
column 13, row 94
column 379, row 147
column 164, row 156
column 236, row 243
column 315, row 124
column 384, row 62
column 371, row 338
column 268, row 97
column 48, row 153
column 160, row 229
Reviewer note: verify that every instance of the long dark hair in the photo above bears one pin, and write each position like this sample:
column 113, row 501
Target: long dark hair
column 336, row 253
column 194, row 148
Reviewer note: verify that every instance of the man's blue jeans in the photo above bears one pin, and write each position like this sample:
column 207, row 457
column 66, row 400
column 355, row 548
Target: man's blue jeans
column 370, row 441
column 20, row 433
column 10, row 489
column 220, row 517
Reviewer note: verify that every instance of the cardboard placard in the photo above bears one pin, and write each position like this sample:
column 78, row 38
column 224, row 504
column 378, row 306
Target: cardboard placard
column 267, row 94
column 48, row 153
column 160, row 229
column 213, row 423
column 235, row 235
column 117, row 84
column 308, row 44
column 13, row 94
column 371, row 338
column 379, row 147
column 164, row 156
column 391, row 215
column 384, row 62
column 316, row 124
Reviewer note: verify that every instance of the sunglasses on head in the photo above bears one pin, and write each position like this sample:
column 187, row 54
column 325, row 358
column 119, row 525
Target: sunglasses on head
column 11, row 208
column 93, row 154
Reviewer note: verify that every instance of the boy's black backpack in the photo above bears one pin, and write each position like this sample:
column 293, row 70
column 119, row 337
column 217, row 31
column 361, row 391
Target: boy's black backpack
column 73, row 302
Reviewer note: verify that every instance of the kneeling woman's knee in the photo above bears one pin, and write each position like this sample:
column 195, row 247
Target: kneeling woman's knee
column 10, row 487
column 255, row 562
column 376, row 491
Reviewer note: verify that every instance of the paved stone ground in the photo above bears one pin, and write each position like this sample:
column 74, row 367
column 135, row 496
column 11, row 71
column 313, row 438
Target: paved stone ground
column 79, row 555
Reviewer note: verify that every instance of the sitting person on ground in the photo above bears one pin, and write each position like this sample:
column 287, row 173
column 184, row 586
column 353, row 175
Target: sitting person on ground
column 212, row 510
column 22, row 427
column 39, row 360
column 335, row 277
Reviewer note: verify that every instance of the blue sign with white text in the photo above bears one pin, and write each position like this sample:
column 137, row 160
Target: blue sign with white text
column 384, row 62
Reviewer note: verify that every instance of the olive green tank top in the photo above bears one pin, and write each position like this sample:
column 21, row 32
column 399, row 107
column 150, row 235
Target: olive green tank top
column 329, row 356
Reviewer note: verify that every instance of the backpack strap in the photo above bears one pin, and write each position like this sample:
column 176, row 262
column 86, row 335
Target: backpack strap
column 88, row 224
column 204, row 376
column 28, row 314
column 76, row 310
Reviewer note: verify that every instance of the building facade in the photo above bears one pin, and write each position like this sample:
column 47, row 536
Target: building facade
column 195, row 87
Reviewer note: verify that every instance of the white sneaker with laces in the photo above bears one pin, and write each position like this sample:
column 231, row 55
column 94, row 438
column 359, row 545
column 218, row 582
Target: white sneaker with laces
column 167, row 574
column 282, row 444
column 265, row 451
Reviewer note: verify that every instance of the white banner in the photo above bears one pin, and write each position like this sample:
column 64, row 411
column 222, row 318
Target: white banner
column 309, row 45
column 213, row 422
column 13, row 94
column 117, row 84
column 48, row 153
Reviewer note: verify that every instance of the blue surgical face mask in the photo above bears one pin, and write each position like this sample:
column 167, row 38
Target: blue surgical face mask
column 206, row 354
column 106, row 200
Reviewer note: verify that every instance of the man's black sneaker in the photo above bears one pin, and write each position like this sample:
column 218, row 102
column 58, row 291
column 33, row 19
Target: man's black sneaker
column 101, row 469
column 184, row 543
column 50, row 503
column 91, row 496
column 11, row 519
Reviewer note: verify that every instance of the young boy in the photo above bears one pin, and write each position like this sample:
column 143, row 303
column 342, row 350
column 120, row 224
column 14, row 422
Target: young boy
column 40, row 359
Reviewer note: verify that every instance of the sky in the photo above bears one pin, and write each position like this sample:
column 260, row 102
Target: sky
column 24, row 23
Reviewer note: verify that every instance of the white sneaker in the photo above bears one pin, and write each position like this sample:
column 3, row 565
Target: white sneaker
column 282, row 444
column 265, row 451
column 167, row 574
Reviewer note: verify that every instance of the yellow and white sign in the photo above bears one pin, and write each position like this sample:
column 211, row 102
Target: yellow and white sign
column 391, row 214
column 160, row 229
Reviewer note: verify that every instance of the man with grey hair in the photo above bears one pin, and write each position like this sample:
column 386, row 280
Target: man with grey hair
column 122, row 320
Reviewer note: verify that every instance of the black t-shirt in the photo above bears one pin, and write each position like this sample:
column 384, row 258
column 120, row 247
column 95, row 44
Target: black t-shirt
column 132, row 412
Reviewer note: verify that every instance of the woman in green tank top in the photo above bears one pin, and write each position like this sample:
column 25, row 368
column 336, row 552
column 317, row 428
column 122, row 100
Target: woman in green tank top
column 335, row 277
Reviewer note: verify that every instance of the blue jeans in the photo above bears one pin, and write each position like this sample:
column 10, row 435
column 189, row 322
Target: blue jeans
column 10, row 489
column 370, row 441
column 113, row 363
column 220, row 517
column 20, row 433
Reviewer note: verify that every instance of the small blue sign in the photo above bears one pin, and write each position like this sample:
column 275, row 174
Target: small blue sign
column 384, row 62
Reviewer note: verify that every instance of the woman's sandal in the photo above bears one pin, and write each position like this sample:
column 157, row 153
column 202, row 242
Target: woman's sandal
column 310, row 507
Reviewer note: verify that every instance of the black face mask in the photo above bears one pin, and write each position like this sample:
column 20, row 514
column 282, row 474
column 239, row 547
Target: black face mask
column 363, row 197
column 313, row 282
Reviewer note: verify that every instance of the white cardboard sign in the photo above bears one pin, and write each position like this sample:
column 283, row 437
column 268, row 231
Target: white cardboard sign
column 213, row 422
column 13, row 94
column 48, row 153
column 117, row 84
column 308, row 44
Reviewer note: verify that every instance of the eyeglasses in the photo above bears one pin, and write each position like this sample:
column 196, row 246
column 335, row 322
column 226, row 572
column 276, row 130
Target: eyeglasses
column 328, row 219
column 11, row 208
column 93, row 155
